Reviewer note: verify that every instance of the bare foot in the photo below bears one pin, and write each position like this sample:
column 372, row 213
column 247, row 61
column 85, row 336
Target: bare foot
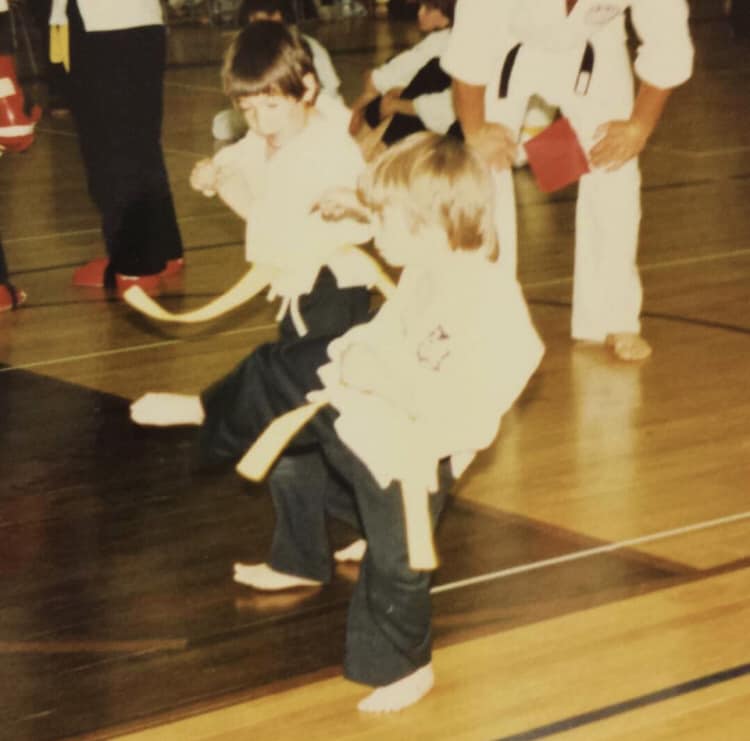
column 353, row 552
column 165, row 410
column 399, row 695
column 262, row 576
column 628, row 346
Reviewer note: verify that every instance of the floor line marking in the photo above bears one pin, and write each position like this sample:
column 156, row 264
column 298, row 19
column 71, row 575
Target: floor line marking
column 589, row 552
column 619, row 708
column 70, row 647
column 97, row 230
column 166, row 150
column 650, row 266
column 132, row 348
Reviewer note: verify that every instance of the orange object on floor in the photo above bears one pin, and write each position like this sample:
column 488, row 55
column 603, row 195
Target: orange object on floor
column 11, row 298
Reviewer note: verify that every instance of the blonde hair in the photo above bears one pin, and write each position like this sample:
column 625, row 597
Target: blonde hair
column 436, row 180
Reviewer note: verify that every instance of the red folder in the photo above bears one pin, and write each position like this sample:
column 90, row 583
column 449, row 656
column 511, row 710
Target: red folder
column 556, row 157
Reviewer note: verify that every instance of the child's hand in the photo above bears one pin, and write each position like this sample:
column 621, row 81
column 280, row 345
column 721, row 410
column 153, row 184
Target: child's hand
column 390, row 103
column 358, row 367
column 357, row 120
column 337, row 204
column 618, row 142
column 205, row 177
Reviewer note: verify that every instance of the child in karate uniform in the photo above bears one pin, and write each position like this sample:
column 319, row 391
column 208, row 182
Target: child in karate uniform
column 574, row 54
column 297, row 148
column 414, row 394
column 229, row 125
column 411, row 89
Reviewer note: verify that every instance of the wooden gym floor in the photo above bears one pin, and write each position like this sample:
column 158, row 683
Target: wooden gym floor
column 596, row 573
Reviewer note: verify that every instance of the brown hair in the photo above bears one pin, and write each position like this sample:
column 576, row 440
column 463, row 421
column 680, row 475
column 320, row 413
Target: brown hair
column 446, row 7
column 267, row 58
column 437, row 180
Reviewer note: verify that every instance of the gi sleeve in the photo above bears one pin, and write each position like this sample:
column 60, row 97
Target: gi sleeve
column 473, row 43
column 664, row 58
column 436, row 110
column 400, row 70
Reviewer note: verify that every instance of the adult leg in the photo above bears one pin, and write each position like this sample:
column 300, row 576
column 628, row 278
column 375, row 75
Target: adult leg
column 10, row 297
column 116, row 94
column 607, row 292
column 607, row 289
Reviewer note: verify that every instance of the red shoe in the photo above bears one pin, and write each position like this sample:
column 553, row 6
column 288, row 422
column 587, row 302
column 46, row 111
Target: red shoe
column 173, row 267
column 91, row 275
column 149, row 283
column 16, row 127
column 11, row 298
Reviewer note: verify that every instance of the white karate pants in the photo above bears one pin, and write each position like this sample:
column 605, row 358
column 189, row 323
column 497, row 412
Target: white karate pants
column 607, row 289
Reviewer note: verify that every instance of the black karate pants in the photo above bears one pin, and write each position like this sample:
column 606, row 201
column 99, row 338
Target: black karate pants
column 116, row 96
column 388, row 633
column 275, row 377
column 429, row 79
column 388, row 628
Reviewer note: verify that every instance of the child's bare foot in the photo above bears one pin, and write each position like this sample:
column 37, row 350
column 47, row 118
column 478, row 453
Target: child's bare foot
column 628, row 346
column 164, row 410
column 399, row 695
column 353, row 552
column 262, row 576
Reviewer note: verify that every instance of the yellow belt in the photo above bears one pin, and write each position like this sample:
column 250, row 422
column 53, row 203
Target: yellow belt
column 59, row 46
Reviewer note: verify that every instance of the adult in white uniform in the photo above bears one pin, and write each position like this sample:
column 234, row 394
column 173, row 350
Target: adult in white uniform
column 574, row 54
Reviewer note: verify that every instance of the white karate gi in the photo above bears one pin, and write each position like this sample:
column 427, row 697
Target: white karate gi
column 277, row 195
column 607, row 291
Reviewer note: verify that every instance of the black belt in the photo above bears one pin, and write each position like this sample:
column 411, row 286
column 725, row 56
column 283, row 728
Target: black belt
column 582, row 80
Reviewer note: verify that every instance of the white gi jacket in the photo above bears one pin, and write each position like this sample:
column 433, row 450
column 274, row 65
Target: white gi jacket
column 277, row 196
column 485, row 29
column 459, row 337
column 110, row 15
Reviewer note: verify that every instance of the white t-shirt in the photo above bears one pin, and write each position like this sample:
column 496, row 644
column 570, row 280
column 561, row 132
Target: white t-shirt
column 459, row 337
column 485, row 29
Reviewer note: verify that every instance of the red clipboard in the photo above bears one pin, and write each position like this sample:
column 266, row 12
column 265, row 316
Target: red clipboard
column 555, row 156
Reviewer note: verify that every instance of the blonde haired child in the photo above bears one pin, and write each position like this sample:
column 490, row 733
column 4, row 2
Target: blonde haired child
column 413, row 394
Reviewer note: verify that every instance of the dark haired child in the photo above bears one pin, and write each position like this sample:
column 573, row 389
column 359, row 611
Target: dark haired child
column 229, row 125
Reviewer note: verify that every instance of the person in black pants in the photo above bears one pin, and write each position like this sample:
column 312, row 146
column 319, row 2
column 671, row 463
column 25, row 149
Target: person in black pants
column 116, row 97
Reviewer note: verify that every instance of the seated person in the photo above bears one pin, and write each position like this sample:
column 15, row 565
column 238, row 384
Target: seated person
column 411, row 89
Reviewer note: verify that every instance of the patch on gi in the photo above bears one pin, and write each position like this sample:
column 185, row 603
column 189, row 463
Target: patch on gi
column 600, row 14
column 434, row 349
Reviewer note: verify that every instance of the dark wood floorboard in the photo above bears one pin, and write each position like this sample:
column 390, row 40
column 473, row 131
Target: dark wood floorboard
column 117, row 601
